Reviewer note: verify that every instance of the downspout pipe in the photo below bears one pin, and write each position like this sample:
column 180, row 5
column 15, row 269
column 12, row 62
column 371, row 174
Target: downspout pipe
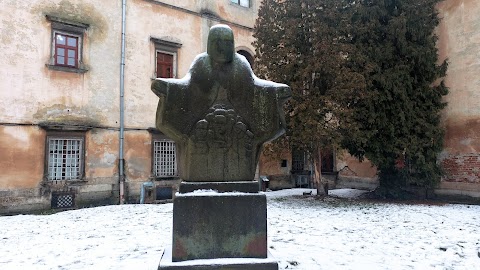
column 121, row 173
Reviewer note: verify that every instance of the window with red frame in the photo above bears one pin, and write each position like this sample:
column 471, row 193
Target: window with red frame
column 164, row 65
column 66, row 50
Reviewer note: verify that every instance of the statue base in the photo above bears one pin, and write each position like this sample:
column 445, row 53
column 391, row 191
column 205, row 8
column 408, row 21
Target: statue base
column 239, row 186
column 219, row 229
column 166, row 263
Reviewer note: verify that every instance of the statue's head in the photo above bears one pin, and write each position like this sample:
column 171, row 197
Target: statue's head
column 221, row 46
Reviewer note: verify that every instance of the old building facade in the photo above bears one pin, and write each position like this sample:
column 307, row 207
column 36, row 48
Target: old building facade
column 77, row 115
column 459, row 42
column 77, row 118
column 459, row 39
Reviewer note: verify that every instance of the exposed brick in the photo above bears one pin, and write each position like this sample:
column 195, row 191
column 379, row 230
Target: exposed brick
column 462, row 168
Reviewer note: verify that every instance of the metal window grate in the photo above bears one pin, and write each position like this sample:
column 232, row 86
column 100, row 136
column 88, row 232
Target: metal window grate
column 64, row 200
column 64, row 159
column 298, row 160
column 165, row 164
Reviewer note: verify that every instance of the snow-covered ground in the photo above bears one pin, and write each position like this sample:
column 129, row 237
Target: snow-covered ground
column 304, row 233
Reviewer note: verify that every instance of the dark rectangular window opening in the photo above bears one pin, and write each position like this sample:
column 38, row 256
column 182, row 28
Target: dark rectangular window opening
column 328, row 160
column 163, row 193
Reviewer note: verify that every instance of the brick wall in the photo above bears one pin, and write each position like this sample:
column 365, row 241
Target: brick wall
column 463, row 168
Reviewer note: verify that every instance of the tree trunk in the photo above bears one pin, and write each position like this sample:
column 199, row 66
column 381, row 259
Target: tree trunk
column 322, row 186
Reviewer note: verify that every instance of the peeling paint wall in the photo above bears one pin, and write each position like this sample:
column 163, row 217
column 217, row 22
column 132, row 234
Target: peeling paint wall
column 349, row 171
column 32, row 94
column 21, row 167
column 459, row 43
column 40, row 93
column 271, row 166
column 148, row 19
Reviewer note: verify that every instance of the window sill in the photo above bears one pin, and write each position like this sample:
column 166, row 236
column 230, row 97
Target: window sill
column 67, row 69
column 64, row 182
column 240, row 6
column 165, row 178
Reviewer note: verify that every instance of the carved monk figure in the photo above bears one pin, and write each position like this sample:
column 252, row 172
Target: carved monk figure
column 220, row 113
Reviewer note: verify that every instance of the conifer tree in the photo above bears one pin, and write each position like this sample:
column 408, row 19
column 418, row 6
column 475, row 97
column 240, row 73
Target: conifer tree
column 396, row 53
column 364, row 76
column 305, row 44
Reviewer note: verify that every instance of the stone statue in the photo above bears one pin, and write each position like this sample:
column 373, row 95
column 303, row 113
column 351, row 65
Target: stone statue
column 220, row 113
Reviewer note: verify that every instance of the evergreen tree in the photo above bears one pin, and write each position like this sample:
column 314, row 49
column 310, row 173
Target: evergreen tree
column 306, row 45
column 329, row 51
column 396, row 53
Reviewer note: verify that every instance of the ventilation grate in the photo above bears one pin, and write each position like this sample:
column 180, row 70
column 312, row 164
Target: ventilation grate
column 63, row 200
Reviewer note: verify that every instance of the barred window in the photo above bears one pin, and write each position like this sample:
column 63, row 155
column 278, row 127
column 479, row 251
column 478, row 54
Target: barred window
column 65, row 158
column 298, row 160
column 165, row 164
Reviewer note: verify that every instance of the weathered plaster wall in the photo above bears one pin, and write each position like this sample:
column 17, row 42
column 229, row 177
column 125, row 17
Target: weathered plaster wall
column 138, row 155
column 146, row 19
column 21, row 167
column 42, row 94
column 459, row 42
column 271, row 166
column 101, row 155
column 31, row 93
column 348, row 165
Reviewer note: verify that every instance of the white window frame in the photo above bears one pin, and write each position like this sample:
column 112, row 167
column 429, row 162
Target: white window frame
column 162, row 162
column 67, row 163
column 243, row 3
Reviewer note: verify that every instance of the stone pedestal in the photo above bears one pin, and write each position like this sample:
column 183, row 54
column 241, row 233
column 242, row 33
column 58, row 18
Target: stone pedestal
column 268, row 263
column 219, row 230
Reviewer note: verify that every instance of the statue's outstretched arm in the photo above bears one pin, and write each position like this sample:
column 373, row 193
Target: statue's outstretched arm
column 160, row 87
column 284, row 92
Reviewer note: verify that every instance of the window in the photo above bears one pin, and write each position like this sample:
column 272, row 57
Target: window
column 66, row 50
column 243, row 3
column 298, row 161
column 67, row 45
column 65, row 158
column 247, row 55
column 328, row 160
column 164, row 159
column 165, row 57
column 164, row 65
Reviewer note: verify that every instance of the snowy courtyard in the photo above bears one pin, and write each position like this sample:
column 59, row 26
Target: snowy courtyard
column 339, row 232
